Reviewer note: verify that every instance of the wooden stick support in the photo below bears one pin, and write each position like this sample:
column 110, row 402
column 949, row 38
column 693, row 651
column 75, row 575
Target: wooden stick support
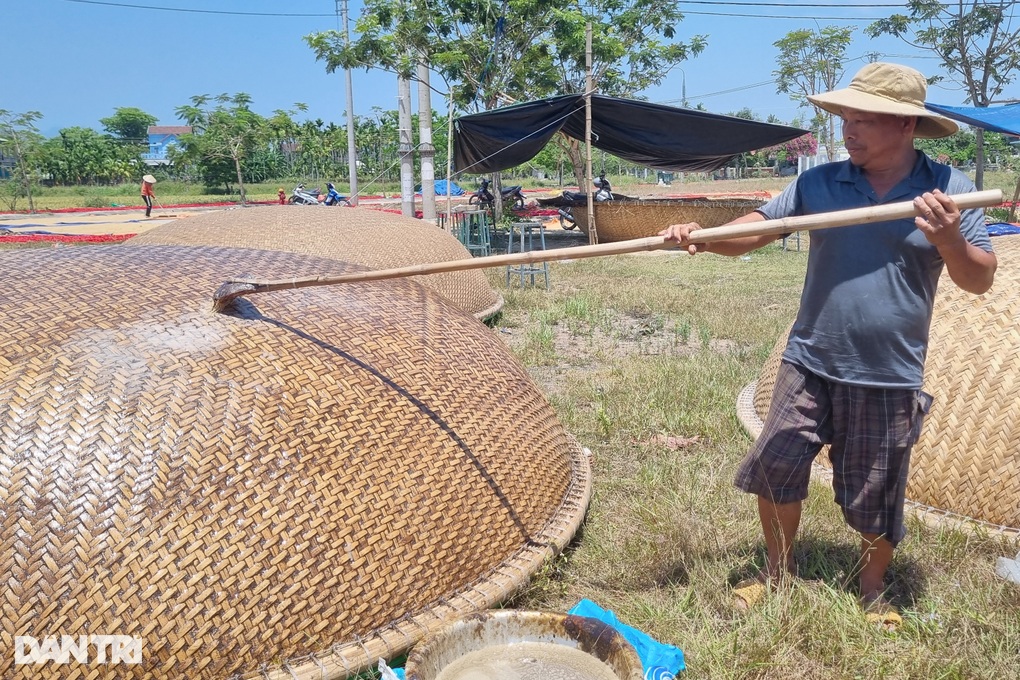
column 840, row 218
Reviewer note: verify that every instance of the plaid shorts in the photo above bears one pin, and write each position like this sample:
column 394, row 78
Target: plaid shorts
column 871, row 432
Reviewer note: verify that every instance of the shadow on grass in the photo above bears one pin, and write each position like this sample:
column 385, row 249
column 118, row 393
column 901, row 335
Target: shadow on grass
column 820, row 560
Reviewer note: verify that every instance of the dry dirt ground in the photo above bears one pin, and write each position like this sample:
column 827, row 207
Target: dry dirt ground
column 95, row 223
column 135, row 222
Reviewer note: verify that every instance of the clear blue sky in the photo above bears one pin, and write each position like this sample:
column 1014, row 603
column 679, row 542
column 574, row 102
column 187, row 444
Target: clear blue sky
column 76, row 61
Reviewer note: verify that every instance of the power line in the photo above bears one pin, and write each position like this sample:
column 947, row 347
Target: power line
column 186, row 10
column 780, row 16
column 196, row 11
column 774, row 81
column 721, row 92
column 788, row 4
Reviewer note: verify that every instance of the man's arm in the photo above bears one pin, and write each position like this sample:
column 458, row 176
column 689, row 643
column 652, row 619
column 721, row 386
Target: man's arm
column 970, row 267
column 732, row 247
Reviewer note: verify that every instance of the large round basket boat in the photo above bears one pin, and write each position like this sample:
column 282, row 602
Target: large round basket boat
column 966, row 464
column 299, row 485
column 625, row 220
column 373, row 238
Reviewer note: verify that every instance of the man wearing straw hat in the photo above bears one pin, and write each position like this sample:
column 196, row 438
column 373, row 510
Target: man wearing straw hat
column 852, row 370
column 148, row 194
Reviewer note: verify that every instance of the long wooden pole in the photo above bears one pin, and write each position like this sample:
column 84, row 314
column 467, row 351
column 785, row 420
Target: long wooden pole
column 589, row 188
column 840, row 218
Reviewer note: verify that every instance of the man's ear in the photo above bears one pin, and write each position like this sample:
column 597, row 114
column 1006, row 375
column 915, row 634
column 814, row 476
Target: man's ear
column 909, row 125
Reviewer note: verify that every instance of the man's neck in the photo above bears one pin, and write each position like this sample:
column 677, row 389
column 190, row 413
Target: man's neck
column 884, row 177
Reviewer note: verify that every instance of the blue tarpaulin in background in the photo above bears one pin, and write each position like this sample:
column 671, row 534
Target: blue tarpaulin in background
column 661, row 661
column 1002, row 229
column 441, row 188
column 1004, row 119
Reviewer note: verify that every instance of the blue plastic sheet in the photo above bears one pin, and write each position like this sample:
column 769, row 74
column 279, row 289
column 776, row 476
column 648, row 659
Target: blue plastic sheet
column 455, row 190
column 1002, row 229
column 1004, row 119
column 661, row 661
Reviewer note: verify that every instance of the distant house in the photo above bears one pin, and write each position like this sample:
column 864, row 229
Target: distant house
column 7, row 164
column 161, row 138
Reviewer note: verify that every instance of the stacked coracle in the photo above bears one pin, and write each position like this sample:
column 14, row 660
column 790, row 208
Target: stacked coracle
column 622, row 220
column 294, row 487
column 373, row 238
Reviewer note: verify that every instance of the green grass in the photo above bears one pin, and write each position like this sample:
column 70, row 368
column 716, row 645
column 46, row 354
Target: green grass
column 634, row 349
column 167, row 193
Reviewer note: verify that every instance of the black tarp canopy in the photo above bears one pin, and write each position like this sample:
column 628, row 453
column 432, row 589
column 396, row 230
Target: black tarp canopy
column 661, row 137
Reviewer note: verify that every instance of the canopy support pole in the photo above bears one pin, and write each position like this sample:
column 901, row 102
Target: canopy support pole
column 1016, row 197
column 449, row 164
column 589, row 189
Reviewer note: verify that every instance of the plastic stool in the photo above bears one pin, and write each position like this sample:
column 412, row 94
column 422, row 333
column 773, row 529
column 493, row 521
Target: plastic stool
column 527, row 243
column 475, row 232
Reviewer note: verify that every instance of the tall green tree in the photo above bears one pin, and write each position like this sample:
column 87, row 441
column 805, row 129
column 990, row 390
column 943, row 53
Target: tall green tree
column 80, row 155
column 377, row 142
column 976, row 42
column 225, row 131
column 634, row 47
column 495, row 53
column 129, row 124
column 19, row 139
column 811, row 62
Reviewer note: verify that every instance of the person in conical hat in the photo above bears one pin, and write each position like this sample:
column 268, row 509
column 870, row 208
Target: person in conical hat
column 852, row 370
column 148, row 193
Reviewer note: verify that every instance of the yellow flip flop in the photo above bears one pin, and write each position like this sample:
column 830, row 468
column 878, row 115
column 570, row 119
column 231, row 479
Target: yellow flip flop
column 748, row 593
column 883, row 615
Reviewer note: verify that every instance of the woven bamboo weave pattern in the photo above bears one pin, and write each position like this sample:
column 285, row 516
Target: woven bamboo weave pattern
column 967, row 461
column 375, row 239
column 318, row 476
column 624, row 220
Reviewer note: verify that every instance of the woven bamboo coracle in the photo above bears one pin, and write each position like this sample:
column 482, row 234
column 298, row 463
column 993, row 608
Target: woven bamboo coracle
column 625, row 220
column 966, row 464
column 373, row 238
column 293, row 488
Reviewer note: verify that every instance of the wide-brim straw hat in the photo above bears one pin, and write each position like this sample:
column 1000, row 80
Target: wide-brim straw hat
column 890, row 89
column 149, row 178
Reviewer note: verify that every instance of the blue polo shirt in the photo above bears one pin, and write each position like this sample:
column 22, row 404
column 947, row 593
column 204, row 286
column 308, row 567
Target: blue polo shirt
column 869, row 289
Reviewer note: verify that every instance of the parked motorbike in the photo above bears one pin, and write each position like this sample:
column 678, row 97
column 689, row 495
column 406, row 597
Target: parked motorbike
column 512, row 195
column 334, row 197
column 603, row 192
column 302, row 196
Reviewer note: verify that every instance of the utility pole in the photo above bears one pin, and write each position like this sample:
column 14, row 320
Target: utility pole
column 352, row 149
column 449, row 161
column 425, row 148
column 406, row 148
